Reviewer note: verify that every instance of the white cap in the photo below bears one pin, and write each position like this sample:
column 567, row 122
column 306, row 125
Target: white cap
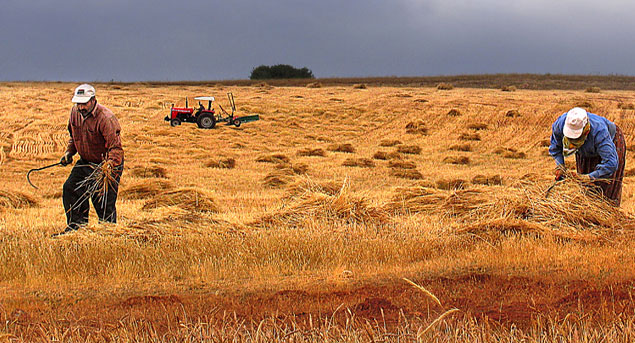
column 576, row 121
column 83, row 93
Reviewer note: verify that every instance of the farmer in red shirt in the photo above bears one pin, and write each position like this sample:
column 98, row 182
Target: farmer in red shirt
column 95, row 136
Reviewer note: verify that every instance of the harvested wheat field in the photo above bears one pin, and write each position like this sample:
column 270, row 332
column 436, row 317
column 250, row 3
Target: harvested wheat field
column 372, row 217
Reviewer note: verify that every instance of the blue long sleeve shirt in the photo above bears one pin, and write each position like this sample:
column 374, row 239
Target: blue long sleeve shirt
column 599, row 142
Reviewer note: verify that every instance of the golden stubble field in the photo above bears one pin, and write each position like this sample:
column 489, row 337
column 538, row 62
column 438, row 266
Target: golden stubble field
column 302, row 226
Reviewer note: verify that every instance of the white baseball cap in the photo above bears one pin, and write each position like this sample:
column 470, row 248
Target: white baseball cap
column 576, row 121
column 83, row 93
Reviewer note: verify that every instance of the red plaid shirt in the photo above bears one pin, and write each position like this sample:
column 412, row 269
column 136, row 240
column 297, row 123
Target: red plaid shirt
column 96, row 137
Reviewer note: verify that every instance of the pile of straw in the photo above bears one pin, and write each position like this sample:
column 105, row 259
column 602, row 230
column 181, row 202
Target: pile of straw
column 149, row 171
column 307, row 186
column 384, row 155
column 570, row 210
column 417, row 127
column 311, row 152
column 359, row 162
column 145, row 189
column 223, row 163
column 273, row 158
column 189, row 199
column 312, row 206
column 345, row 147
column 277, row 179
column 11, row 199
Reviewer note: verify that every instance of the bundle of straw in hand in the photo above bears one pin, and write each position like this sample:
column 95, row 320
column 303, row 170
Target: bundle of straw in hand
column 101, row 179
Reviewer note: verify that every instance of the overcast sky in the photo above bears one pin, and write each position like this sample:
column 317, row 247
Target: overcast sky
column 136, row 40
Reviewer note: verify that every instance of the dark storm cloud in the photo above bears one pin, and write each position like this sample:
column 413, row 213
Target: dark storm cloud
column 196, row 39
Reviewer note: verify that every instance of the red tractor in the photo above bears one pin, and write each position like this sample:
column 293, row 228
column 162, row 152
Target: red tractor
column 205, row 118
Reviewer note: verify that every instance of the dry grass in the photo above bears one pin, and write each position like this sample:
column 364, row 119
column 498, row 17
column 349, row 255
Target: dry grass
column 189, row 199
column 311, row 152
column 454, row 113
column 461, row 147
column 449, row 184
column 277, row 179
column 346, row 147
column 468, row 136
column 417, row 127
column 312, row 242
column 273, row 158
column 410, row 174
column 457, row 160
column 148, row 171
column 477, row 126
column 492, row 180
column 314, row 206
column 510, row 153
column 401, row 164
column 626, row 106
column 15, row 200
column 359, row 162
column 222, row 163
column 390, row 142
column 409, row 149
column 145, row 188
column 384, row 155
column 512, row 114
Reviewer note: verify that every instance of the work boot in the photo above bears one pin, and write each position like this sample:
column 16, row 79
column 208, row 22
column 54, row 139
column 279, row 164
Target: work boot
column 68, row 229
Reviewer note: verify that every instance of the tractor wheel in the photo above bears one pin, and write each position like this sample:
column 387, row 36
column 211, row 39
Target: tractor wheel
column 206, row 121
column 237, row 122
column 175, row 122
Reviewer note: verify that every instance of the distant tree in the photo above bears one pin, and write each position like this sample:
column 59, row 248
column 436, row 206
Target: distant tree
column 280, row 71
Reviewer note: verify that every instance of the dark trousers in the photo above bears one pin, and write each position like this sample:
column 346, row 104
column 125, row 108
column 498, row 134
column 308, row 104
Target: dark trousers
column 76, row 197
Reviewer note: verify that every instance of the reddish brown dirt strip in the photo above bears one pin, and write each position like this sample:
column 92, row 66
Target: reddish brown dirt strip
column 504, row 300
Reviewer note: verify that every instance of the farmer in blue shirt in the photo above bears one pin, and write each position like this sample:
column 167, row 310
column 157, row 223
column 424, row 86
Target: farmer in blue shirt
column 599, row 148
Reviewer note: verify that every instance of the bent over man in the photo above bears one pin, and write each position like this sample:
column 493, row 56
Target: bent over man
column 95, row 136
column 599, row 148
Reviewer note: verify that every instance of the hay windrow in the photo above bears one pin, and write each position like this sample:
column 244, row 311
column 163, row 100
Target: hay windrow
column 417, row 127
column 346, row 147
column 570, row 211
column 390, row 142
column 222, row 163
column 384, row 155
column 359, row 162
column 273, row 158
column 400, row 164
column 461, row 147
column 189, row 199
column 145, row 189
column 148, row 171
column 15, row 200
column 457, row 160
column 311, row 152
column 411, row 174
column 277, row 179
column 307, row 185
column 342, row 207
column 409, row 149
